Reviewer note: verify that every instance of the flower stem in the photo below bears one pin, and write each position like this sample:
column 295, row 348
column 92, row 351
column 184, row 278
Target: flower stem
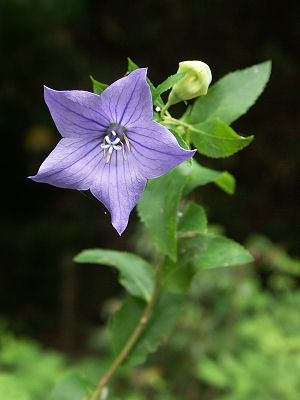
column 134, row 336
column 164, row 110
column 173, row 121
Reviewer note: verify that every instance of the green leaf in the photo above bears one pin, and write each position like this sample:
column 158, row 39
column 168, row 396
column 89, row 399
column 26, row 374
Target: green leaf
column 136, row 275
column 73, row 387
column 168, row 84
column 193, row 219
column 179, row 139
column 199, row 176
column 222, row 141
column 226, row 182
column 177, row 277
column 200, row 252
column 98, row 87
column 158, row 101
column 232, row 95
column 158, row 205
column 158, row 208
column 209, row 251
column 12, row 389
column 131, row 65
column 160, row 324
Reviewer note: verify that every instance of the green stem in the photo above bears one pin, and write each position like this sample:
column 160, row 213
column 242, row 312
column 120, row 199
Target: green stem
column 164, row 110
column 173, row 121
column 134, row 336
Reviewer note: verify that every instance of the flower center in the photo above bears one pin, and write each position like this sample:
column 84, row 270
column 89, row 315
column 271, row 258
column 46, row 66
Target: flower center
column 115, row 139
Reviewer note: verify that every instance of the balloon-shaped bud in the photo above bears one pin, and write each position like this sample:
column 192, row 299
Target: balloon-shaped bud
column 194, row 83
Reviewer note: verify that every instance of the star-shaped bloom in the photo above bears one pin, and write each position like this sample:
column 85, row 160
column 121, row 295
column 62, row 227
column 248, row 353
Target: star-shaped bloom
column 110, row 144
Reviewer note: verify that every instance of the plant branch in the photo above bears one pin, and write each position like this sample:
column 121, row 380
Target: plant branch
column 167, row 119
column 134, row 336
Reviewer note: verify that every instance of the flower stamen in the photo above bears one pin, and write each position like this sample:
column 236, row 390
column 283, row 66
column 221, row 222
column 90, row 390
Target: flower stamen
column 111, row 146
column 115, row 139
column 127, row 142
column 123, row 151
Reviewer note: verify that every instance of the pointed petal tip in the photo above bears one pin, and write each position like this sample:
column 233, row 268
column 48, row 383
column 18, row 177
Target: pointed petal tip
column 47, row 89
column 35, row 178
column 120, row 226
column 189, row 153
column 140, row 71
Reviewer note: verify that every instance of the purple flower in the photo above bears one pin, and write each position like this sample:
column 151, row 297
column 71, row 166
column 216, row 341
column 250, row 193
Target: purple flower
column 110, row 144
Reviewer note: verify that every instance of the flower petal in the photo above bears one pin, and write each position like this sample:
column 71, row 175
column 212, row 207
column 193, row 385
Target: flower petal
column 76, row 112
column 78, row 161
column 71, row 164
column 128, row 101
column 155, row 149
column 119, row 186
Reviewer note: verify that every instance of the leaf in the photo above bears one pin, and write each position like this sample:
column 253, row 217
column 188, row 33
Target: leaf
column 160, row 324
column 158, row 101
column 180, row 139
column 222, row 141
column 158, row 205
column 168, row 84
column 12, row 389
column 226, row 182
column 210, row 251
column 181, row 142
column 131, row 65
column 98, row 87
column 199, row 176
column 232, row 95
column 193, row 219
column 73, row 387
column 177, row 277
column 158, row 209
column 200, row 252
column 136, row 275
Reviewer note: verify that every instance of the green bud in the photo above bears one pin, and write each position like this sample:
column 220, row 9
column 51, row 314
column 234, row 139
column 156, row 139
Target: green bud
column 194, row 83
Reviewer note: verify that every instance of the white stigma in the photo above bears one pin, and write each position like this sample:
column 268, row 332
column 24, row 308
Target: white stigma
column 111, row 146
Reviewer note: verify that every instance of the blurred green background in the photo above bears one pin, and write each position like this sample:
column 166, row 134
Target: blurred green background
column 243, row 322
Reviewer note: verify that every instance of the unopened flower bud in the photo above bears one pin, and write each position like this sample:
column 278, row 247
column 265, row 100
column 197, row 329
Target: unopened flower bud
column 194, row 83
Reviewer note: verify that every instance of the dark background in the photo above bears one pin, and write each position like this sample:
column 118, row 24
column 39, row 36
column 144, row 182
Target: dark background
column 60, row 43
